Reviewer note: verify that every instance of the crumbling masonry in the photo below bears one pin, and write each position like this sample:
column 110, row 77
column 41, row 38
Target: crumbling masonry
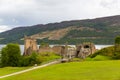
column 82, row 50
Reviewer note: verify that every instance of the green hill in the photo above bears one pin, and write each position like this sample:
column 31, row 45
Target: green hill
column 99, row 31
column 87, row 70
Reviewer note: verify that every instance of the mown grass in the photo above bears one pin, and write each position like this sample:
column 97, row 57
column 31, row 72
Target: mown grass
column 9, row 70
column 86, row 70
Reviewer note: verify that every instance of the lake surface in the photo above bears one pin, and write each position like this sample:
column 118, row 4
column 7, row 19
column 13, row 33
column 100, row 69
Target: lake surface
column 97, row 47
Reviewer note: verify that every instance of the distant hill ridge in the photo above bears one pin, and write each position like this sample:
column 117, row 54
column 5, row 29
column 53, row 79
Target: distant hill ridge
column 99, row 30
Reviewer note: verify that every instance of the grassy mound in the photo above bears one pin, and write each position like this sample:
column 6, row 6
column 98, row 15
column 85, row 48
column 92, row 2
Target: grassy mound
column 98, row 58
column 108, row 51
column 86, row 70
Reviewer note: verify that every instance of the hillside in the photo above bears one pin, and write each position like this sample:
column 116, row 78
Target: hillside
column 99, row 30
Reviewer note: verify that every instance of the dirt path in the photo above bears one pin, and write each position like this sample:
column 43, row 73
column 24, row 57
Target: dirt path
column 54, row 62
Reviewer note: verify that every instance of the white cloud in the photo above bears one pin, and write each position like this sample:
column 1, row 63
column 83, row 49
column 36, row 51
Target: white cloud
column 1, row 20
column 14, row 20
column 4, row 28
column 29, row 12
column 111, row 4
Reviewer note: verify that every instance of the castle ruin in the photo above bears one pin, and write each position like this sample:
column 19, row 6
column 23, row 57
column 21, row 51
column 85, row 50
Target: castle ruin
column 30, row 45
column 84, row 50
column 81, row 51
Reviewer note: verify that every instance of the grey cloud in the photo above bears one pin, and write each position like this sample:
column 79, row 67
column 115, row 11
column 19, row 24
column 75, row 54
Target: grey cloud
column 110, row 4
column 30, row 12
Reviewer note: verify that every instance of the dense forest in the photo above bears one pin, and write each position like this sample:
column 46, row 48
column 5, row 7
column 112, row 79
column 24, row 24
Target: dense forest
column 99, row 31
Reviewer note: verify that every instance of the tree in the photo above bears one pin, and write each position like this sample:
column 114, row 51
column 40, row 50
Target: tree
column 30, row 60
column 117, row 48
column 10, row 55
column 4, row 57
column 117, row 44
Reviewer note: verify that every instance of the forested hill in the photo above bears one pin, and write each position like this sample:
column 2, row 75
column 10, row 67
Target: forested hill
column 99, row 30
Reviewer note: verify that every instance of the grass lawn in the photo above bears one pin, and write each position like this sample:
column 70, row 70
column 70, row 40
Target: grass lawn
column 87, row 70
column 8, row 70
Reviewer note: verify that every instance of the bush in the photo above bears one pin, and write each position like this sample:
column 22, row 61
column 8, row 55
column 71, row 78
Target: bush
column 30, row 60
column 116, row 55
column 24, row 61
column 36, row 58
column 10, row 55
column 117, row 40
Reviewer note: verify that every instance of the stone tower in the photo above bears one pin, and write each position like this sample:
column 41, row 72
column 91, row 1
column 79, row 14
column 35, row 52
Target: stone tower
column 30, row 45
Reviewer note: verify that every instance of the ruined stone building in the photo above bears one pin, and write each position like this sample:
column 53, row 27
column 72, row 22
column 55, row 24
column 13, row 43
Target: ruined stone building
column 84, row 50
column 71, row 52
column 30, row 45
column 81, row 51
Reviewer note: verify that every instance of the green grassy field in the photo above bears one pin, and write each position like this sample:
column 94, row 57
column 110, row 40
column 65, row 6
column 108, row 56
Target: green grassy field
column 8, row 70
column 87, row 70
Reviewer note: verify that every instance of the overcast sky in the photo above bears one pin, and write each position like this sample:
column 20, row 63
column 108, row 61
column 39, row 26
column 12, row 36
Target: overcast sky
column 14, row 13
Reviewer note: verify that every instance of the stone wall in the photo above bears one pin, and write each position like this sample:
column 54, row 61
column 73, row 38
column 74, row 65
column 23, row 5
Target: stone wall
column 45, row 49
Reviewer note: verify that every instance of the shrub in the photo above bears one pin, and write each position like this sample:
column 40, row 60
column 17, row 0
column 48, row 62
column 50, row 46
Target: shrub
column 24, row 61
column 10, row 55
column 36, row 58
column 30, row 60
column 117, row 48
column 116, row 55
column 117, row 40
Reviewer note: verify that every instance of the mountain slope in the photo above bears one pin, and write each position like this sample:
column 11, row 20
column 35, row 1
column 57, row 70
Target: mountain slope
column 99, row 30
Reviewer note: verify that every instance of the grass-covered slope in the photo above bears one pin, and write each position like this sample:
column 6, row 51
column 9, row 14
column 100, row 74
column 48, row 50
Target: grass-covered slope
column 9, row 70
column 108, row 51
column 87, row 70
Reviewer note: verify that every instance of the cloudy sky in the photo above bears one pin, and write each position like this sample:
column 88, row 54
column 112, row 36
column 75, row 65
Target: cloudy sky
column 14, row 13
